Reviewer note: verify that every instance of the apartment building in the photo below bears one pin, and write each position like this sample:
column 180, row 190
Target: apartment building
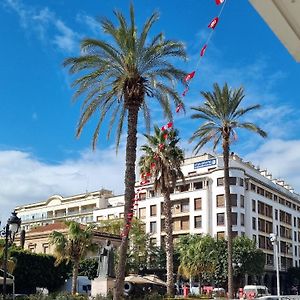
column 261, row 205
column 57, row 208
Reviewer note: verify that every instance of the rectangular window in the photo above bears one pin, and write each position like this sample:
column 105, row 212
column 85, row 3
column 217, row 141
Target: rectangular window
column 261, row 242
column 153, row 227
column 142, row 213
column 121, row 215
column 253, row 205
column 220, row 219
column 242, row 201
column 198, row 185
column 183, row 187
column 220, row 201
column 233, row 200
column 242, row 220
column 221, row 235
column 276, row 214
column 198, row 221
column 232, row 180
column 185, row 207
column 241, row 182
column 254, row 223
column 269, row 195
column 153, row 210
column 234, row 218
column 275, row 198
column 111, row 216
column 253, row 187
column 269, row 259
column 198, row 203
column 220, row 181
column 185, row 224
column 142, row 196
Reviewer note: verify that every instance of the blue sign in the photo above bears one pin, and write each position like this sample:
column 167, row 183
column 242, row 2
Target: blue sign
column 205, row 163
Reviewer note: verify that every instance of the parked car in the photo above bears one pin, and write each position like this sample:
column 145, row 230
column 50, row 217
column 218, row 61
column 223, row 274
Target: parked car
column 273, row 297
column 255, row 291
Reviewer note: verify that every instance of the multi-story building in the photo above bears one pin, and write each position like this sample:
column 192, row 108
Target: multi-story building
column 57, row 208
column 260, row 205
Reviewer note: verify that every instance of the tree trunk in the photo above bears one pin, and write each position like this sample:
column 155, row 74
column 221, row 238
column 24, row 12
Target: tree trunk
column 74, row 277
column 169, row 242
column 228, row 215
column 129, row 195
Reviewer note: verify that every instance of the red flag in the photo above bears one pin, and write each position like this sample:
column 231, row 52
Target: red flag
column 202, row 52
column 168, row 125
column 179, row 107
column 185, row 91
column 218, row 2
column 213, row 23
column 189, row 76
column 165, row 136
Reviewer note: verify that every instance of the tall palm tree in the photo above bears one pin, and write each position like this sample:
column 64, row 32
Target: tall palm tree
column 116, row 79
column 162, row 159
column 73, row 247
column 221, row 112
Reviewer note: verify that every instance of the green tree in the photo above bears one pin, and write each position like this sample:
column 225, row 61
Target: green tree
column 197, row 255
column 162, row 159
column 73, row 246
column 88, row 267
column 117, row 79
column 221, row 112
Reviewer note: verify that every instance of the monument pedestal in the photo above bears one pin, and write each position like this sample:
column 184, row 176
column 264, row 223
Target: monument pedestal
column 102, row 286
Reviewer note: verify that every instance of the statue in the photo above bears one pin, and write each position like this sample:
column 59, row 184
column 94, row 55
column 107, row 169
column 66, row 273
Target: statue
column 106, row 265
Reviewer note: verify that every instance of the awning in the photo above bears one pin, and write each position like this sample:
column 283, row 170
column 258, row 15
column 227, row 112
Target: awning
column 8, row 281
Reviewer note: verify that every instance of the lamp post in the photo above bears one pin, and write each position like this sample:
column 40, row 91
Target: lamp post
column 274, row 241
column 10, row 230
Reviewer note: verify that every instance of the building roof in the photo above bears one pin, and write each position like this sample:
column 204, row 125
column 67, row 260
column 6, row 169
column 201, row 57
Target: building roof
column 282, row 16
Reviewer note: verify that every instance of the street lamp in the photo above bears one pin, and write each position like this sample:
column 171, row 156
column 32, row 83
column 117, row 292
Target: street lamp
column 10, row 230
column 274, row 241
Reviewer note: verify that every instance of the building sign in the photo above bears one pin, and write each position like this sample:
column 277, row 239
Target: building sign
column 205, row 163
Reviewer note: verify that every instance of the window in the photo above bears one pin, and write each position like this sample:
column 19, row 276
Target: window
column 253, row 205
column 185, row 224
column 233, row 200
column 142, row 213
column 111, row 216
column 220, row 181
column 198, row 221
column 221, row 235
column 198, row 185
column 185, row 207
column 198, row 203
column 121, row 215
column 261, row 242
column 151, row 193
column 142, row 196
column 276, row 214
column 153, row 227
column 253, row 187
column 242, row 201
column 269, row 259
column 241, row 182
column 153, row 210
column 275, row 197
column 242, row 220
column 234, row 218
column 260, row 191
column 269, row 195
column 220, row 201
column 183, row 187
column 46, row 248
column 254, row 223
column 220, row 219
column 232, row 180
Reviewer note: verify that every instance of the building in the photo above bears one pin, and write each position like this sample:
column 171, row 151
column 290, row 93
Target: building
column 282, row 16
column 37, row 239
column 261, row 205
column 57, row 208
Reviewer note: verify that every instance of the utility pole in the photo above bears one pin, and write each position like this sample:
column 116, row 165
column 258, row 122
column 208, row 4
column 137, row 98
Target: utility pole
column 274, row 241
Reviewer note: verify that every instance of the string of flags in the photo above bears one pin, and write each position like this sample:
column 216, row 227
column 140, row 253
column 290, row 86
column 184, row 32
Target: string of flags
column 145, row 177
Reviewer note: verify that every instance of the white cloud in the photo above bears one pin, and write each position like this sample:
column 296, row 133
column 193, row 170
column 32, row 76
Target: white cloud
column 45, row 24
column 281, row 158
column 26, row 179
column 91, row 22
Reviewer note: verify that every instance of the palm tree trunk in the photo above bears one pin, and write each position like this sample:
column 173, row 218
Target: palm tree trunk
column 129, row 195
column 74, row 277
column 228, row 215
column 169, row 242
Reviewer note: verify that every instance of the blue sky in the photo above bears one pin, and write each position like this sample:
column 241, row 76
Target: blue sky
column 39, row 154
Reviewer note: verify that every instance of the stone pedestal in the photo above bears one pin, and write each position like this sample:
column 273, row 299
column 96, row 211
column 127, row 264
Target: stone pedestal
column 102, row 286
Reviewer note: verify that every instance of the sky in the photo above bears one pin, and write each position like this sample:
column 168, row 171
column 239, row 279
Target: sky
column 39, row 152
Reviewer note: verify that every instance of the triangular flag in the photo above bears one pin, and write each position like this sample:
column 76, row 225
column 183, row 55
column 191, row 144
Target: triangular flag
column 202, row 52
column 213, row 23
column 218, row 2
column 179, row 107
column 189, row 76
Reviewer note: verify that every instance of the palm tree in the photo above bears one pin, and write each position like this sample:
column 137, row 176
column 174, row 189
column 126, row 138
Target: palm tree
column 117, row 79
column 162, row 159
column 73, row 247
column 221, row 112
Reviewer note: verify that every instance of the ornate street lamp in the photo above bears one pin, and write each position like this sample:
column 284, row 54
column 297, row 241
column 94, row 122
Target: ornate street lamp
column 10, row 230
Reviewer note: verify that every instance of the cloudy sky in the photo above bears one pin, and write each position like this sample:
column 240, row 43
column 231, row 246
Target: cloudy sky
column 39, row 154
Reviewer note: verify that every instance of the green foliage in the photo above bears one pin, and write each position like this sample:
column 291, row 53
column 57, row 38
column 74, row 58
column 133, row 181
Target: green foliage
column 88, row 267
column 37, row 270
column 205, row 258
column 221, row 112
